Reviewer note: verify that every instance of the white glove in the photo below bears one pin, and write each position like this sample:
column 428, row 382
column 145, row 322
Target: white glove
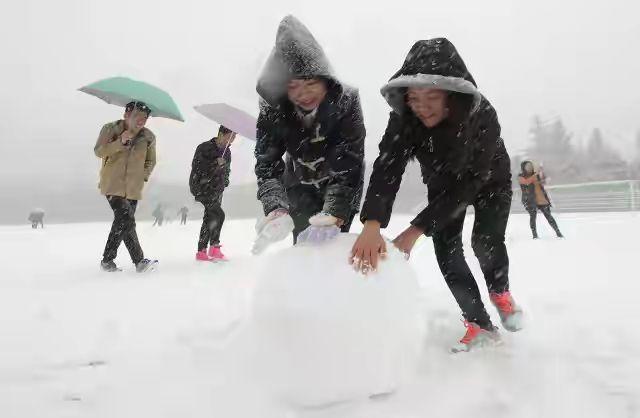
column 273, row 228
column 323, row 227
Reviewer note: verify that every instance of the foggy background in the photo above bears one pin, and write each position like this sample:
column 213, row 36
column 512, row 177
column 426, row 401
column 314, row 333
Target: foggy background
column 571, row 63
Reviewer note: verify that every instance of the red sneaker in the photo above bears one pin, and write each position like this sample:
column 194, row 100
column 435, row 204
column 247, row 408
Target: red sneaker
column 216, row 254
column 476, row 337
column 202, row 256
column 510, row 313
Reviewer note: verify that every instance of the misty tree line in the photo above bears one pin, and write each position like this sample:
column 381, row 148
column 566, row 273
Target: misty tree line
column 564, row 161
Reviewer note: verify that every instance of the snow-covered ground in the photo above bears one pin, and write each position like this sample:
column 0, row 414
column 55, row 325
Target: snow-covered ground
column 75, row 342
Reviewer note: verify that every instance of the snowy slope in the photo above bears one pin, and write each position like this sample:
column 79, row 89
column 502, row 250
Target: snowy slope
column 78, row 343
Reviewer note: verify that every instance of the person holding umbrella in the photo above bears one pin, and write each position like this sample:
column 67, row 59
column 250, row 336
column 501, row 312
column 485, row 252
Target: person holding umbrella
column 310, row 143
column 210, row 170
column 128, row 153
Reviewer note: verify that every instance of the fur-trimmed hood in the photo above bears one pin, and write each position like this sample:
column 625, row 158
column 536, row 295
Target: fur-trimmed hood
column 431, row 63
column 296, row 54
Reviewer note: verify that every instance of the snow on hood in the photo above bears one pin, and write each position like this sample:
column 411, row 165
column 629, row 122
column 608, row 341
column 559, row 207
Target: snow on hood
column 296, row 54
column 430, row 63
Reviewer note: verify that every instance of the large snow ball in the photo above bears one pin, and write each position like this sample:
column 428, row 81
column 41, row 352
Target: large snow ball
column 323, row 333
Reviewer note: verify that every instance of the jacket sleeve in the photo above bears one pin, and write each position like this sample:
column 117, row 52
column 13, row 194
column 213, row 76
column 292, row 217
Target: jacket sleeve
column 150, row 159
column 395, row 152
column 269, row 163
column 194, row 177
column 484, row 137
column 106, row 145
column 346, row 163
column 227, row 173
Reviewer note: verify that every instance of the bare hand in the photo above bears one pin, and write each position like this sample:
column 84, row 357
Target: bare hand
column 126, row 137
column 221, row 161
column 407, row 239
column 368, row 247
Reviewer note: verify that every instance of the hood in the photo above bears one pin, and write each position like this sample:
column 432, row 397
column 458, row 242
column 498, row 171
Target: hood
column 431, row 63
column 296, row 54
column 523, row 163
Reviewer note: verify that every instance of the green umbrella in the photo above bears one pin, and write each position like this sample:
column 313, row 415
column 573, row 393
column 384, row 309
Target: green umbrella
column 121, row 90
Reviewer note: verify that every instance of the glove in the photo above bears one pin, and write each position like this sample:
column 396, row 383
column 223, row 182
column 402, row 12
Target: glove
column 273, row 228
column 323, row 227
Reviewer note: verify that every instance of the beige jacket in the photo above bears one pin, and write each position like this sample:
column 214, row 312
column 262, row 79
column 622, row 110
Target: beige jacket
column 125, row 169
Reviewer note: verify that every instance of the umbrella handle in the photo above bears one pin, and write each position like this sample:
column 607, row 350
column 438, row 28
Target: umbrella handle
column 226, row 147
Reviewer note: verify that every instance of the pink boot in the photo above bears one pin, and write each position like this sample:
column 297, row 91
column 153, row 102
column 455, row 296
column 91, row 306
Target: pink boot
column 202, row 256
column 216, row 255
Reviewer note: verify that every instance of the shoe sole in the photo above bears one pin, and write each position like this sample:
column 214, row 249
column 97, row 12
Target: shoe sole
column 517, row 317
column 150, row 268
column 485, row 342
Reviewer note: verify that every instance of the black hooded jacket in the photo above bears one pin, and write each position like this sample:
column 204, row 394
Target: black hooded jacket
column 209, row 177
column 329, row 153
column 461, row 157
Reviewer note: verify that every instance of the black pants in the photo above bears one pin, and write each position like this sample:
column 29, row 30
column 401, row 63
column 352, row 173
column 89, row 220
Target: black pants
column 304, row 202
column 183, row 220
column 546, row 211
column 123, row 229
column 211, row 223
column 487, row 241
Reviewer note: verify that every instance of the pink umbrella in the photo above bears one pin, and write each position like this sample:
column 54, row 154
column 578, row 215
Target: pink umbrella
column 231, row 117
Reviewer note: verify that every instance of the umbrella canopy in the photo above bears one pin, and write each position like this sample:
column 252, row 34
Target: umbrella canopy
column 121, row 90
column 231, row 117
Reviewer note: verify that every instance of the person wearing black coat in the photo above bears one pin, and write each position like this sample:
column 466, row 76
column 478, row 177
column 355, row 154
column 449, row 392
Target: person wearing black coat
column 209, row 177
column 158, row 215
column 440, row 119
column 310, row 137
column 36, row 218
column 183, row 212
column 535, row 197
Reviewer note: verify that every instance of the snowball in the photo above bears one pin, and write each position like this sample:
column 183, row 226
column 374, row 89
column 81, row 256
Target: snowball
column 322, row 333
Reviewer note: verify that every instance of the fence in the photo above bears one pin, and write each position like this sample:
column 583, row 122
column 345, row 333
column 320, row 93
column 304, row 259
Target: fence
column 607, row 196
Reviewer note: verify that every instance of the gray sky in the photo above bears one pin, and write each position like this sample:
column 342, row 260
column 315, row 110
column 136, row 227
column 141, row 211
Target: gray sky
column 555, row 58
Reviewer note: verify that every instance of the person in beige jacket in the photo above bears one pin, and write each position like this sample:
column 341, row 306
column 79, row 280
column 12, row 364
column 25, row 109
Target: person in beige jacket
column 128, row 153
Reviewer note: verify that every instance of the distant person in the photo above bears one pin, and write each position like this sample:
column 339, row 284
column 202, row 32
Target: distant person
column 158, row 214
column 183, row 212
column 36, row 218
column 535, row 198
column 210, row 170
column 128, row 152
